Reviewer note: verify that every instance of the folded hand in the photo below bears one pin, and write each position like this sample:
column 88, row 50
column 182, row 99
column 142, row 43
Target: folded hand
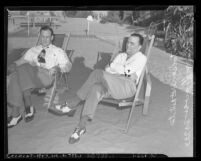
column 53, row 70
column 134, row 76
column 33, row 63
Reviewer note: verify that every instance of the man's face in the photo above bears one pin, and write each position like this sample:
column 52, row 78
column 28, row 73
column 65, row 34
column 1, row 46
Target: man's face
column 132, row 45
column 46, row 37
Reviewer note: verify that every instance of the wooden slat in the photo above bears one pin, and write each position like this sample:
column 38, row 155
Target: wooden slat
column 139, row 86
column 65, row 39
column 147, row 93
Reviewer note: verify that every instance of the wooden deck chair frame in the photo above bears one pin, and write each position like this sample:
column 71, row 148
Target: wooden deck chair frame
column 54, row 89
column 144, row 80
column 69, row 54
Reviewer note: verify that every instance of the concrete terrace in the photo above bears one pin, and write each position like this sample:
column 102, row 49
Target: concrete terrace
column 148, row 134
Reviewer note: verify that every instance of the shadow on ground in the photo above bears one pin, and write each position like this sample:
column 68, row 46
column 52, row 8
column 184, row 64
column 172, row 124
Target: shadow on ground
column 103, row 59
column 78, row 74
column 15, row 55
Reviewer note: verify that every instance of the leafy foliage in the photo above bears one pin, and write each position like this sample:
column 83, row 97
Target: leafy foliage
column 179, row 36
column 70, row 13
column 113, row 17
column 78, row 14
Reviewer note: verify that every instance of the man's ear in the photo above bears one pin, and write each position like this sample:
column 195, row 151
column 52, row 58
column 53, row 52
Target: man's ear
column 140, row 47
column 52, row 37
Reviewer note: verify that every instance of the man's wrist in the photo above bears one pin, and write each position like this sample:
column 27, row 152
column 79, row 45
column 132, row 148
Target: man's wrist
column 63, row 70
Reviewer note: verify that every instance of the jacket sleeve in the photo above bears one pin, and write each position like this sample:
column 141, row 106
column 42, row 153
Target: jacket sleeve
column 63, row 61
column 117, row 64
column 27, row 57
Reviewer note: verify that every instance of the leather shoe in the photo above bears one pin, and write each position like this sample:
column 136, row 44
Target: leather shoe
column 62, row 110
column 13, row 121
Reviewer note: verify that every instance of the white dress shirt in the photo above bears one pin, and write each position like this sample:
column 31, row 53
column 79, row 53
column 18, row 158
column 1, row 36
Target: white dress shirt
column 54, row 56
column 133, row 65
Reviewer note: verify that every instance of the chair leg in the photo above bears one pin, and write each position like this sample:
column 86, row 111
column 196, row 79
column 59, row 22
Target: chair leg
column 53, row 94
column 147, row 95
column 130, row 116
column 66, row 82
column 98, row 57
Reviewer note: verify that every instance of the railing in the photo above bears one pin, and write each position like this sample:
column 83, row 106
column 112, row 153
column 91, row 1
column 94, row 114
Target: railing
column 31, row 21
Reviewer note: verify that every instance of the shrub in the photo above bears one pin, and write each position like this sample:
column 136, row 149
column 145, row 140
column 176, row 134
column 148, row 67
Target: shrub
column 112, row 17
column 70, row 13
column 179, row 33
column 83, row 14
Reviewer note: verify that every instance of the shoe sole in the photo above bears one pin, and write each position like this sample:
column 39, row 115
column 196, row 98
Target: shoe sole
column 16, row 123
column 70, row 114
column 75, row 140
column 28, row 119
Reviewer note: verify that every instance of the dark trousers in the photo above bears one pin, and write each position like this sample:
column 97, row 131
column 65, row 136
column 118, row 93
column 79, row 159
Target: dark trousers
column 25, row 78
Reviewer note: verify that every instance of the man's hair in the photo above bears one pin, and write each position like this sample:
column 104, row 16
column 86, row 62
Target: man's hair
column 44, row 28
column 141, row 39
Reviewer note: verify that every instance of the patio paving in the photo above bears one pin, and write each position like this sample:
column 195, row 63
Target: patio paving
column 154, row 133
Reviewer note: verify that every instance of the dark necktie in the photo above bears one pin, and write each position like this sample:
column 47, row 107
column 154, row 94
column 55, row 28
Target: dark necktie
column 41, row 56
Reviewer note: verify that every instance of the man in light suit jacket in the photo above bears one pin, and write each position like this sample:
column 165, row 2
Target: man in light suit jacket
column 118, row 81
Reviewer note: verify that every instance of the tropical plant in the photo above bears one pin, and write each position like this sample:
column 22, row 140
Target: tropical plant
column 179, row 33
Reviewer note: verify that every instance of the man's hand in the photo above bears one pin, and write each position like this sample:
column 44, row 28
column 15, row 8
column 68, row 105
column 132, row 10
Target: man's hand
column 54, row 70
column 63, row 70
column 107, row 67
column 33, row 63
column 12, row 68
column 134, row 76
column 110, row 70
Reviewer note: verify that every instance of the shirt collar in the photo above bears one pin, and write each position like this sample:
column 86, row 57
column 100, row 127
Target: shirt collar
column 133, row 56
column 49, row 46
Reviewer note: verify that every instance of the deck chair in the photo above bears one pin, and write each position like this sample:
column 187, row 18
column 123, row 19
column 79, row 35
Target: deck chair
column 60, row 40
column 143, row 86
